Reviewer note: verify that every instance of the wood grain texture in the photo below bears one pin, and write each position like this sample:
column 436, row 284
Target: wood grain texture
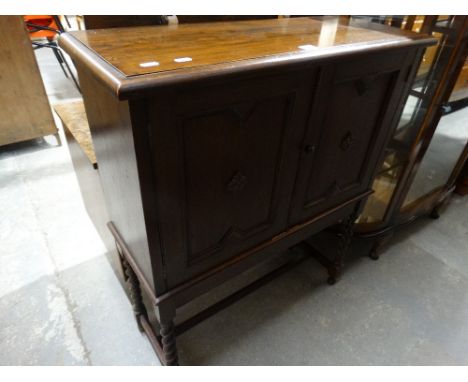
column 203, row 171
column 25, row 112
column 219, row 149
column 78, row 136
column 355, row 102
column 215, row 43
column 73, row 116
column 111, row 132
column 214, row 174
column 131, row 59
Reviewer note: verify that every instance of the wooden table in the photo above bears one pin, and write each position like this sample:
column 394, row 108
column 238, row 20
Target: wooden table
column 220, row 145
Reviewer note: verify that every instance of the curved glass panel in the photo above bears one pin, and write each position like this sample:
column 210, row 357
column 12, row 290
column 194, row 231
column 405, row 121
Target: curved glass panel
column 446, row 146
column 408, row 131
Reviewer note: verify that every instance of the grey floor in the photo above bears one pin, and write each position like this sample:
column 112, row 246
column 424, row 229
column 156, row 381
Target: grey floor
column 61, row 303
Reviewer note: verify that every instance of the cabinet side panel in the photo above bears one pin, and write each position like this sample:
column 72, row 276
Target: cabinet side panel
column 111, row 130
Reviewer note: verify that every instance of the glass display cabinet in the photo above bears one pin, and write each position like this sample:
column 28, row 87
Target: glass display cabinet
column 429, row 146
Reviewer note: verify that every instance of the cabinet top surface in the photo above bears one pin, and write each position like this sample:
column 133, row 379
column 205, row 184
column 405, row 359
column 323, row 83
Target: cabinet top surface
column 187, row 48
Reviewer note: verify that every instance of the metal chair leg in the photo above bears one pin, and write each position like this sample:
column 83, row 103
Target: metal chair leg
column 70, row 71
column 59, row 60
column 58, row 139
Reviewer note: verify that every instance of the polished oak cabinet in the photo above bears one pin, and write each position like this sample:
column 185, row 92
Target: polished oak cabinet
column 221, row 145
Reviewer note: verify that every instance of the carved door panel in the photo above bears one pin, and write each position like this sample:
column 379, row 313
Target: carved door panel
column 228, row 157
column 354, row 103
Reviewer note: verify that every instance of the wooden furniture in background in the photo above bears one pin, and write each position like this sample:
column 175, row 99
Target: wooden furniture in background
column 25, row 112
column 461, row 85
column 189, row 19
column 104, row 22
column 121, row 21
column 430, row 145
column 268, row 132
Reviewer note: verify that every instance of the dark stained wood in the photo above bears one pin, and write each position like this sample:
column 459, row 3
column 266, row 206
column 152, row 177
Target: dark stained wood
column 121, row 21
column 462, row 181
column 397, row 213
column 366, row 95
column 215, row 43
column 224, row 168
column 250, row 155
column 444, row 86
column 189, row 19
column 136, row 297
column 80, row 145
column 229, row 300
column 112, row 138
column 410, row 22
column 152, row 337
column 186, row 291
column 144, row 57
column 168, row 341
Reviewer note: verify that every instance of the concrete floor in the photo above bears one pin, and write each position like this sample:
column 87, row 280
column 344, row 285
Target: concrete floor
column 61, row 303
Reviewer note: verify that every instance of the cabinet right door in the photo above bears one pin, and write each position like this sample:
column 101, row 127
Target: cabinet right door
column 350, row 121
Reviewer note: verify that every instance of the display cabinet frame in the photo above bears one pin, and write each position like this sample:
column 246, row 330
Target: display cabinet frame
column 441, row 82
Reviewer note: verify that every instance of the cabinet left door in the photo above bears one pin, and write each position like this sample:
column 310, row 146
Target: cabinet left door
column 224, row 158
